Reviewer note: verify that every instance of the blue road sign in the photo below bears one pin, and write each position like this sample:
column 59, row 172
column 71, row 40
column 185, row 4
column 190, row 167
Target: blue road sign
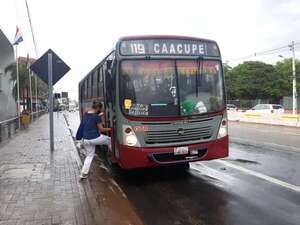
column 40, row 67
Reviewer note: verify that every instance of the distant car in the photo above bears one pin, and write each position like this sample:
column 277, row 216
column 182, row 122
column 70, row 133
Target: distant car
column 72, row 108
column 231, row 107
column 267, row 109
column 62, row 107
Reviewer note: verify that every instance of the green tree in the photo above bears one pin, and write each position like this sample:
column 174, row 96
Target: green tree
column 284, row 71
column 24, row 82
column 228, row 82
column 252, row 80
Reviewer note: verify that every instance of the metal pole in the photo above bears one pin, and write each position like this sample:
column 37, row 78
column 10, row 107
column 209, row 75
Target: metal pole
column 18, row 87
column 50, row 101
column 30, row 90
column 36, row 97
column 36, row 53
column 31, row 27
column 294, row 80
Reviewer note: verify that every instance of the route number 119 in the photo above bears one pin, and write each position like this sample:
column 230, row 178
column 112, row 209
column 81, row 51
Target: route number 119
column 137, row 48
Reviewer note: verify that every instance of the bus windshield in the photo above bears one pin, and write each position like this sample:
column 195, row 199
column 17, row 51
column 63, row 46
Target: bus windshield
column 171, row 87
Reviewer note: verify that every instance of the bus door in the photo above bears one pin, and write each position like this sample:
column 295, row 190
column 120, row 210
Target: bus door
column 110, row 114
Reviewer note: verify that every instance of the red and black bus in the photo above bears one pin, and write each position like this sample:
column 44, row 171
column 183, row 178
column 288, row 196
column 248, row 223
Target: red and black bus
column 164, row 97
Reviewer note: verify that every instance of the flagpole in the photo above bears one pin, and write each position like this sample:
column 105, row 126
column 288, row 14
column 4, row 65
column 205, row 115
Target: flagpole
column 18, row 87
column 36, row 53
column 36, row 97
column 30, row 88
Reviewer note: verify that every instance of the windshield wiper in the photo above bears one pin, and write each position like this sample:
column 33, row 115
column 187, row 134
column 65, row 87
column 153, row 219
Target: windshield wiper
column 177, row 88
column 199, row 74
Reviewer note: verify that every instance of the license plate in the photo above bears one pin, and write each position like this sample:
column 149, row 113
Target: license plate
column 181, row 150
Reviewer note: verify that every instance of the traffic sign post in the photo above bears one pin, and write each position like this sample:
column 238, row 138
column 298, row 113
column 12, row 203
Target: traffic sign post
column 50, row 68
column 50, row 101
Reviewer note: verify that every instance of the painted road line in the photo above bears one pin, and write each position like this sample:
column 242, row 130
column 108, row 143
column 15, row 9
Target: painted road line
column 206, row 170
column 262, row 176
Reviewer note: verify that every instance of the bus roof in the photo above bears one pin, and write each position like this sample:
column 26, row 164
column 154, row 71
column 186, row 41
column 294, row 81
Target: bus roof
column 152, row 37
column 146, row 37
column 166, row 45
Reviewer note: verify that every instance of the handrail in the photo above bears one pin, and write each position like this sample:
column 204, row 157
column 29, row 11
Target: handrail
column 9, row 120
column 15, row 118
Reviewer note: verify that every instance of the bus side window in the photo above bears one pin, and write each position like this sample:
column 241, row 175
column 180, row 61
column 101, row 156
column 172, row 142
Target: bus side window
column 85, row 89
column 81, row 92
column 100, row 84
column 95, row 83
column 108, row 86
column 113, row 81
column 90, row 92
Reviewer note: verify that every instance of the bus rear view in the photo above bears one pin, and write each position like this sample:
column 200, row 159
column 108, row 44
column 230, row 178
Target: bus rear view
column 169, row 105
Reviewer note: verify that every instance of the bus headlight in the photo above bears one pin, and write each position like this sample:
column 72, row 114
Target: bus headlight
column 223, row 130
column 131, row 140
column 129, row 136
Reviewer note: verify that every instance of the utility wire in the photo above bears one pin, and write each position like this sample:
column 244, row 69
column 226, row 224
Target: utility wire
column 264, row 53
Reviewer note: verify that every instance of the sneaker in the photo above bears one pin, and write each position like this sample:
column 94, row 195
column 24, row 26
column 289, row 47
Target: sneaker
column 83, row 176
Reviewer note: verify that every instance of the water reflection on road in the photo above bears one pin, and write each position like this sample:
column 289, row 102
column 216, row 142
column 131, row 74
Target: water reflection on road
column 213, row 193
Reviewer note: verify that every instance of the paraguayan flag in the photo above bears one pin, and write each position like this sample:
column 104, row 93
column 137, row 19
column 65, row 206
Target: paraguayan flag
column 18, row 37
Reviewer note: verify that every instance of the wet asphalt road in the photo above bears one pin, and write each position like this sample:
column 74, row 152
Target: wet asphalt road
column 258, row 184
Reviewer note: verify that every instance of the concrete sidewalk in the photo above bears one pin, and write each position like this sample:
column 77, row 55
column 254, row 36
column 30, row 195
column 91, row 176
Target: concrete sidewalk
column 39, row 187
column 264, row 118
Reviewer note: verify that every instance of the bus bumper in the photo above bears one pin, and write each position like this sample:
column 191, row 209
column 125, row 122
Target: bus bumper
column 139, row 157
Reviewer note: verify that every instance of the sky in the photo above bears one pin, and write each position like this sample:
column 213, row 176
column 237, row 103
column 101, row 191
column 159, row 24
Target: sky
column 84, row 32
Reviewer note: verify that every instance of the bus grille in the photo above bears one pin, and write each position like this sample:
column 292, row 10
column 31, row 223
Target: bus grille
column 178, row 135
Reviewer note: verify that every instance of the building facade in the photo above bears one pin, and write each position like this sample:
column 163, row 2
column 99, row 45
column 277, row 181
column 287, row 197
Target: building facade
column 7, row 100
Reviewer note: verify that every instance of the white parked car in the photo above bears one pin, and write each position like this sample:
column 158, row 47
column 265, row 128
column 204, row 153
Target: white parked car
column 267, row 109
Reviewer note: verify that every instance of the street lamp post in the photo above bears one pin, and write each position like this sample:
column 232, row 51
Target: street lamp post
column 292, row 46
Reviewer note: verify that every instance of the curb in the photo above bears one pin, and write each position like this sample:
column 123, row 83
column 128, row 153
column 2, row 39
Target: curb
column 286, row 120
column 270, row 124
column 84, row 187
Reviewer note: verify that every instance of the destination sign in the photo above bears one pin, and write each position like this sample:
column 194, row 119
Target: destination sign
column 169, row 47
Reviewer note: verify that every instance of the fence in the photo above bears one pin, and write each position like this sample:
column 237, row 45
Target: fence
column 9, row 127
